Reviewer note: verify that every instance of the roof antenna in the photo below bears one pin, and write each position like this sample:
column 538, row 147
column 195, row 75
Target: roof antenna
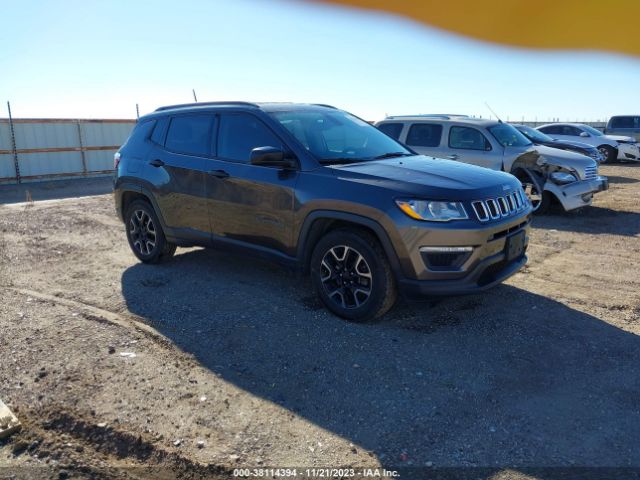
column 491, row 109
column 194, row 95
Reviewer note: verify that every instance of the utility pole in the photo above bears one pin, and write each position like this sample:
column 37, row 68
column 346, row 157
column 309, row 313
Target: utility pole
column 13, row 144
column 137, row 112
column 195, row 99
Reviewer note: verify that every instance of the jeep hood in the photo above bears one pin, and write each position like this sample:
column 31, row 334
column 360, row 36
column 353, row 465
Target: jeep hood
column 428, row 177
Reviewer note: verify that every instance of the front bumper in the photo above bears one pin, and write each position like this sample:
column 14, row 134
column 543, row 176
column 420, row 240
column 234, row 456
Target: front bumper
column 629, row 151
column 577, row 194
column 482, row 268
column 487, row 274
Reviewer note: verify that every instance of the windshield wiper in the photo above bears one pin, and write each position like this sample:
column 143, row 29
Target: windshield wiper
column 340, row 160
column 392, row 155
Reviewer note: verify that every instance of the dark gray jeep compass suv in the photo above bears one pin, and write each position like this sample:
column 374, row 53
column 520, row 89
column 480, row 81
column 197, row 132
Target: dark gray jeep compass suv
column 316, row 188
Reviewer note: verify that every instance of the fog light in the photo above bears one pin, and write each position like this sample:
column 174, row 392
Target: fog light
column 445, row 258
column 587, row 197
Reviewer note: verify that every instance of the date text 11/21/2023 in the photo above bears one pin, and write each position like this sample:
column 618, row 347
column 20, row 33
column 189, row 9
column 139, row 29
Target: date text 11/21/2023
column 308, row 473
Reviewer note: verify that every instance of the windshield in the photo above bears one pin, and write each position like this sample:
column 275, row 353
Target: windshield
column 336, row 136
column 591, row 130
column 509, row 136
column 533, row 134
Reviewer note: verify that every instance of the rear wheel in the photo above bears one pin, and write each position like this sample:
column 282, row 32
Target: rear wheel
column 145, row 235
column 352, row 276
column 608, row 152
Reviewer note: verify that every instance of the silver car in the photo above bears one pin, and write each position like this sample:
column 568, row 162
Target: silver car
column 547, row 174
column 611, row 146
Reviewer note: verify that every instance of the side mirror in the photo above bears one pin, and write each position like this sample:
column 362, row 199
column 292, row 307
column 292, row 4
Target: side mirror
column 271, row 157
column 584, row 134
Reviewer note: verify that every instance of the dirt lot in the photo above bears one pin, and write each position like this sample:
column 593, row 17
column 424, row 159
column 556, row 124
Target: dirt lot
column 543, row 371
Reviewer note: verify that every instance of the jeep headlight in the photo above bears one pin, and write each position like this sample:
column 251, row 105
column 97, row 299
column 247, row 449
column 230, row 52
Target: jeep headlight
column 433, row 211
column 562, row 178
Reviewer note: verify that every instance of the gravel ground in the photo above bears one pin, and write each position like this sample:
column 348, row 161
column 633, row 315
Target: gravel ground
column 237, row 365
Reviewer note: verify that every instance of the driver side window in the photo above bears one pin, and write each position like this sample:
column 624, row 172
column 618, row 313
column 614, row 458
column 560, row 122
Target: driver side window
column 468, row 139
column 239, row 133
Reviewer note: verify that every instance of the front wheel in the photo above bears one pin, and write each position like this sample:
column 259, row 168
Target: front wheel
column 352, row 276
column 145, row 235
column 609, row 153
column 533, row 188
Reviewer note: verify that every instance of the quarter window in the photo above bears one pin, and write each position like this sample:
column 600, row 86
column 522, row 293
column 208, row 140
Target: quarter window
column 424, row 135
column 190, row 134
column 391, row 129
column 240, row 133
column 160, row 129
column 552, row 129
column 468, row 139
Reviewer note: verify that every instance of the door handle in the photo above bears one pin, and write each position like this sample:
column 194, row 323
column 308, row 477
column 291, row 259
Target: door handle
column 453, row 157
column 218, row 173
column 157, row 163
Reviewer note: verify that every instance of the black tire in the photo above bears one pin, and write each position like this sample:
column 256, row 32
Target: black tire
column 610, row 154
column 532, row 183
column 343, row 285
column 145, row 235
column 545, row 204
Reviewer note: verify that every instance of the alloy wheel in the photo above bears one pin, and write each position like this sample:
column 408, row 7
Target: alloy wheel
column 143, row 232
column 346, row 276
column 605, row 153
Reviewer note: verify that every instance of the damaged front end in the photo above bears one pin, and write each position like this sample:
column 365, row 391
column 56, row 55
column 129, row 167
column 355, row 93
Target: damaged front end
column 548, row 173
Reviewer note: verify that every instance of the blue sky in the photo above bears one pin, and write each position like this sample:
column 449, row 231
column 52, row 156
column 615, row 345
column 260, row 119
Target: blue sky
column 71, row 58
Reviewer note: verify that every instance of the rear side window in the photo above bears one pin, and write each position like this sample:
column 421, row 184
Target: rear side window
column 391, row 129
column 190, row 134
column 625, row 122
column 468, row 139
column 424, row 135
column 240, row 133
column 139, row 134
column 552, row 129
column 159, row 131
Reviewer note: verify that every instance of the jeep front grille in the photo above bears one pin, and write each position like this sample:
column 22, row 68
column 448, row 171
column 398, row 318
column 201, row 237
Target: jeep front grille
column 500, row 207
column 590, row 173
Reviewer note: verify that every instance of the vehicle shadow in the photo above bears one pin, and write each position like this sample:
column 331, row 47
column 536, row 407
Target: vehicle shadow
column 618, row 179
column 592, row 219
column 503, row 379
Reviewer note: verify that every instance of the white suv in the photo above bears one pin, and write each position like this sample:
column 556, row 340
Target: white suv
column 611, row 146
column 546, row 173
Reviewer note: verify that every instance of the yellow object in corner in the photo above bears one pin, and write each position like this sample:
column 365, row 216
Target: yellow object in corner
column 612, row 25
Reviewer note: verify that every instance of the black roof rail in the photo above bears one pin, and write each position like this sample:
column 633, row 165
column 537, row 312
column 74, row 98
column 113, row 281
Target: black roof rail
column 324, row 105
column 199, row 104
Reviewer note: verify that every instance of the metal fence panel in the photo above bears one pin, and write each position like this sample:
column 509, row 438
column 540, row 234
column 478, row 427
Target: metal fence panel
column 59, row 148
column 95, row 134
column 7, row 170
column 5, row 137
column 100, row 160
column 40, row 165
column 45, row 135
